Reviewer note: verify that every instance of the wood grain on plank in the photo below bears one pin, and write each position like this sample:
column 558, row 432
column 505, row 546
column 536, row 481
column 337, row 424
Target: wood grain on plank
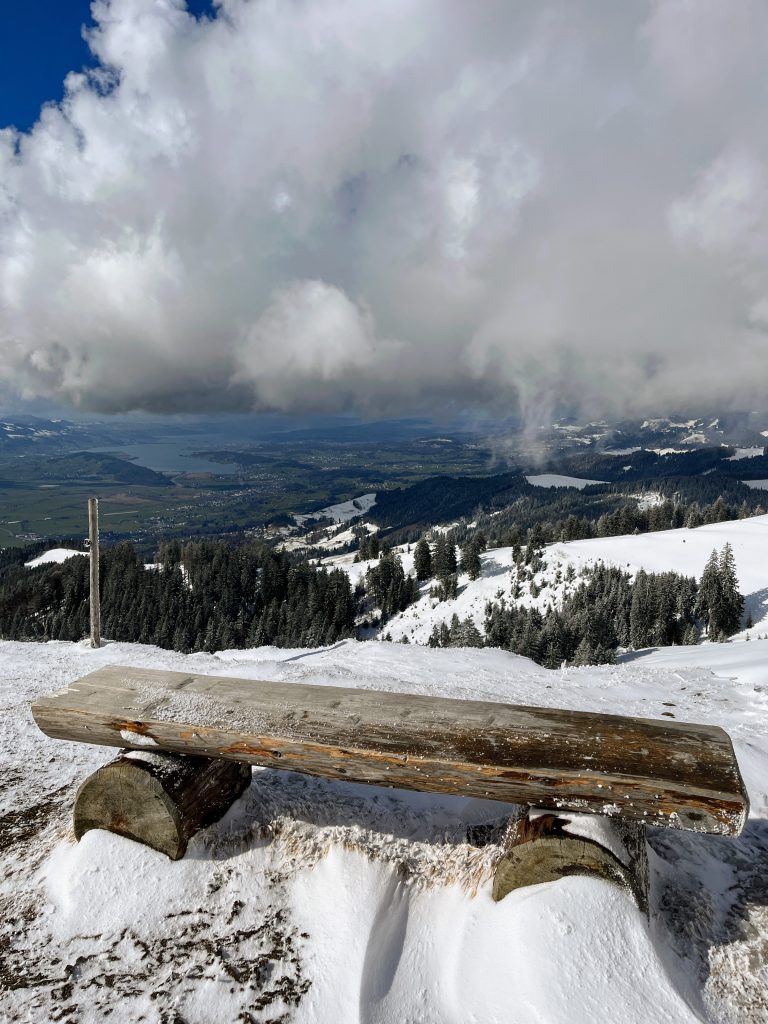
column 662, row 773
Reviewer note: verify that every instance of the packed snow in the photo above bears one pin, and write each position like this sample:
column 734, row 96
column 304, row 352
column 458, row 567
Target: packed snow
column 557, row 480
column 333, row 903
column 55, row 555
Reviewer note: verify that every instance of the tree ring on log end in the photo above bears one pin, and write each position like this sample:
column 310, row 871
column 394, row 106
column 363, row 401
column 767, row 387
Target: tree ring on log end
column 550, row 858
column 538, row 849
column 160, row 800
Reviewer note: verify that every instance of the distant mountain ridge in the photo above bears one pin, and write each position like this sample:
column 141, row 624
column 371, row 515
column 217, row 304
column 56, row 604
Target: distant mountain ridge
column 31, row 433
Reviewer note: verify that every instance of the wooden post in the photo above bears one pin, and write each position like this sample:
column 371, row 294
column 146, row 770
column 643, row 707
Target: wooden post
column 93, row 533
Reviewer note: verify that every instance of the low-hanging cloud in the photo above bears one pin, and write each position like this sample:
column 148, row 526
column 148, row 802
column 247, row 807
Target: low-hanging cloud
column 337, row 204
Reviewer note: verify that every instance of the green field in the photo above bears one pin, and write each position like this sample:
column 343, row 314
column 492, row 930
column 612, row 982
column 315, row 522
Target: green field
column 45, row 496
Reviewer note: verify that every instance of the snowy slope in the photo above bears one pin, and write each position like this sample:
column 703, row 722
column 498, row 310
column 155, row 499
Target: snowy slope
column 684, row 551
column 343, row 511
column 557, row 480
column 334, row 538
column 332, row 903
column 56, row 555
column 745, row 453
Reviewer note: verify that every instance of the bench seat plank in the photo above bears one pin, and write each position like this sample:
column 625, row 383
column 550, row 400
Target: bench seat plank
column 662, row 773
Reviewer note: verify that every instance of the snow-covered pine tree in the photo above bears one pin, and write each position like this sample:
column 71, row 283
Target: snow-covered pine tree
column 709, row 597
column 422, row 560
column 732, row 602
column 470, row 560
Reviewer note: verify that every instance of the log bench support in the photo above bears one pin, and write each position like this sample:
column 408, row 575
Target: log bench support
column 159, row 799
column 543, row 847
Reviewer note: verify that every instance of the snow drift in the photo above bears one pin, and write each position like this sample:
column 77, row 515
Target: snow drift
column 329, row 902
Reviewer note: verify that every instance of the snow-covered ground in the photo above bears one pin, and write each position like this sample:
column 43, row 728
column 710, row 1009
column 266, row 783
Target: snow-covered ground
column 684, row 551
column 333, row 538
column 557, row 480
column 342, row 512
column 54, row 555
column 323, row 902
column 745, row 453
column 331, row 903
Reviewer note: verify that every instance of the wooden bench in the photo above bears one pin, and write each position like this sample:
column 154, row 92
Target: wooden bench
column 628, row 770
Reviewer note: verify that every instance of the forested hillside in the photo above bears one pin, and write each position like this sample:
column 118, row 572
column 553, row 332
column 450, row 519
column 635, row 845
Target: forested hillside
column 690, row 481
column 606, row 609
column 207, row 596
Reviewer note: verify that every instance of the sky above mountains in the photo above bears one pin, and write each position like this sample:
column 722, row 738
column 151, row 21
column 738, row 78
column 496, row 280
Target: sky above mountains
column 332, row 205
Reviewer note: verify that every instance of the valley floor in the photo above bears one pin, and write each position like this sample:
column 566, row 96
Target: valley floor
column 324, row 902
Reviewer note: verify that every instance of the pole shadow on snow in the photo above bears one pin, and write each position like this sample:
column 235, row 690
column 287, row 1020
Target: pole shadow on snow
column 310, row 654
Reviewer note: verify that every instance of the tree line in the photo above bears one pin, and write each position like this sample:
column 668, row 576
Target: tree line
column 201, row 596
column 212, row 595
column 504, row 529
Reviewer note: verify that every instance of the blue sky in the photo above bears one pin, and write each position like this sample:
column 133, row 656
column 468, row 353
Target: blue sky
column 40, row 43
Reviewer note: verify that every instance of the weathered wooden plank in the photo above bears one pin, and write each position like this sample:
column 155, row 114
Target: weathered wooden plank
column 158, row 799
column 661, row 773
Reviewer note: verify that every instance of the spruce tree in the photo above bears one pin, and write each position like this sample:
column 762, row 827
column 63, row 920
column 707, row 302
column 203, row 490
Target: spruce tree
column 690, row 636
column 732, row 602
column 440, row 559
column 584, row 654
column 470, row 560
column 422, row 561
column 709, row 597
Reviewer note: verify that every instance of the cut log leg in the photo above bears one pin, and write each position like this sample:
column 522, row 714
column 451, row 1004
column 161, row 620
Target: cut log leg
column 542, row 847
column 160, row 800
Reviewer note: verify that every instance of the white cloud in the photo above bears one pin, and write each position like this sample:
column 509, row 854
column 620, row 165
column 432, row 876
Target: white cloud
column 331, row 204
column 726, row 210
column 309, row 340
